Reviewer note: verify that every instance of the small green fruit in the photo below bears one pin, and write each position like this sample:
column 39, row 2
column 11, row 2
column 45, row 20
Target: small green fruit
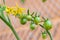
column 32, row 26
column 23, row 21
column 47, row 24
column 44, row 35
column 37, row 20
column 29, row 17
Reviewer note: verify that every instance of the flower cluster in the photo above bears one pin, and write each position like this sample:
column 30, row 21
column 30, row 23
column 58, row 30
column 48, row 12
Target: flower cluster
column 14, row 10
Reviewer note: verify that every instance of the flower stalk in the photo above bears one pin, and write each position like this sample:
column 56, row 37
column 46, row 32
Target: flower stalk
column 11, row 27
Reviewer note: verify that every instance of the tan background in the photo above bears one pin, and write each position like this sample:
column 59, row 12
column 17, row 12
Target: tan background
column 50, row 9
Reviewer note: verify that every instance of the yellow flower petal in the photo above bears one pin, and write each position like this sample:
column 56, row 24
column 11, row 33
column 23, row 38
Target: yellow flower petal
column 15, row 10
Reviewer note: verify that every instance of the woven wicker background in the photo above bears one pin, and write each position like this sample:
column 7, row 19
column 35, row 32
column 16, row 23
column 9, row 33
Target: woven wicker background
column 50, row 9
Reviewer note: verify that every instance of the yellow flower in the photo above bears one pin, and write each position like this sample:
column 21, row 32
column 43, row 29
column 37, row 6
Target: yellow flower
column 7, row 10
column 18, row 10
column 15, row 10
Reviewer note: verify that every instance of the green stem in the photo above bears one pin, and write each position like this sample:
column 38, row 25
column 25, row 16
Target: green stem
column 47, row 32
column 11, row 27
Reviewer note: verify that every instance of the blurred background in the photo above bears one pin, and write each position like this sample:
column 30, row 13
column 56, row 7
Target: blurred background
column 50, row 9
